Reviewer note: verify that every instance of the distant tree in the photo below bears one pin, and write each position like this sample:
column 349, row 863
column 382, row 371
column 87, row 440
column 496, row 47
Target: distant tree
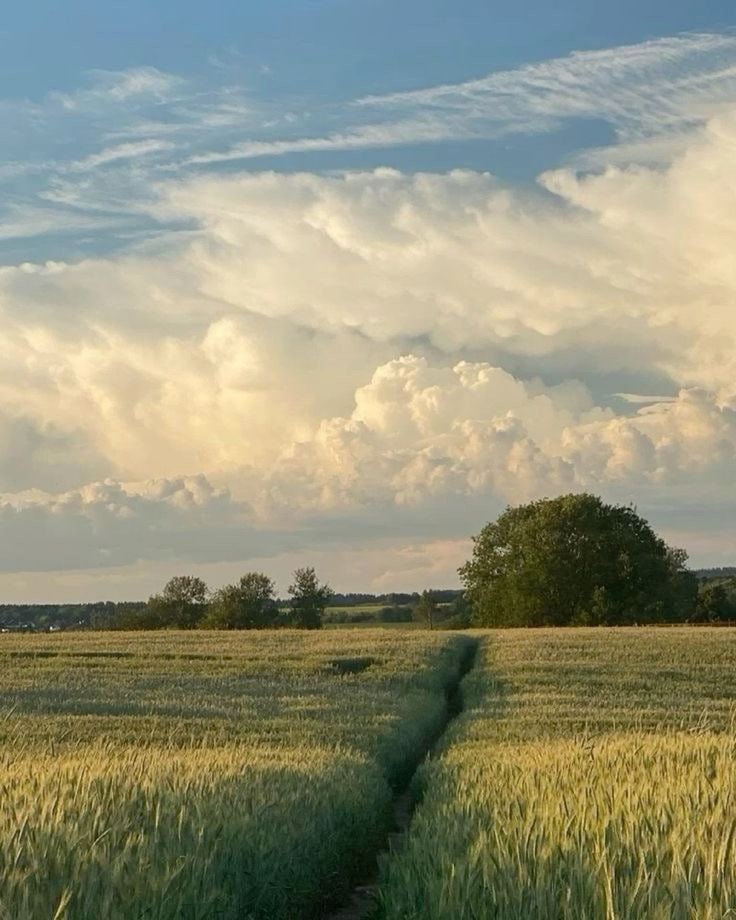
column 397, row 613
column 249, row 604
column 308, row 599
column 682, row 594
column 713, row 604
column 426, row 609
column 459, row 614
column 575, row 560
column 181, row 605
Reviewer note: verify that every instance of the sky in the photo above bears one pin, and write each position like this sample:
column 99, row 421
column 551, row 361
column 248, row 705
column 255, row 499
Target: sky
column 332, row 283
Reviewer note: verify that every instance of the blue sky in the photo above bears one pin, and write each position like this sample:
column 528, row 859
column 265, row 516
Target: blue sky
column 332, row 282
column 324, row 50
column 283, row 71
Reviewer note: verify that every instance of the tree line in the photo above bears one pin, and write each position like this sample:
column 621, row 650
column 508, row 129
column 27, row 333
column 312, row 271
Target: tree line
column 570, row 560
column 391, row 599
column 250, row 603
column 239, row 606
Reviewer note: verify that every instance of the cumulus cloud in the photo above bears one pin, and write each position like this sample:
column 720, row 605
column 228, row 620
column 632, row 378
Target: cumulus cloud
column 418, row 432
column 454, row 259
column 111, row 523
column 616, row 271
column 319, row 347
column 419, row 437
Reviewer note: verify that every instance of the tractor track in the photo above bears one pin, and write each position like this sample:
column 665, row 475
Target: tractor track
column 362, row 901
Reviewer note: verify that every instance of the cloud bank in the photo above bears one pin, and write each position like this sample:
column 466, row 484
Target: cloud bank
column 322, row 360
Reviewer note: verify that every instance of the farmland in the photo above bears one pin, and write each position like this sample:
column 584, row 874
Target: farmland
column 590, row 775
column 251, row 774
column 207, row 775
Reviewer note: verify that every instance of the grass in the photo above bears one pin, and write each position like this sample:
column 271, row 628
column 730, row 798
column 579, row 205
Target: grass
column 205, row 776
column 590, row 776
column 364, row 615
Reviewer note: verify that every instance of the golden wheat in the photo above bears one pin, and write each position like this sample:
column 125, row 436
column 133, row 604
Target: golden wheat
column 187, row 776
column 591, row 776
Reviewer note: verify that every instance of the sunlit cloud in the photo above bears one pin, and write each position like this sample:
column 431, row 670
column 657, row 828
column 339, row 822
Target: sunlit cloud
column 285, row 364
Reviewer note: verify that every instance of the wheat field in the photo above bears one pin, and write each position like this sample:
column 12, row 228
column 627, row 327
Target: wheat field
column 205, row 776
column 250, row 775
column 591, row 776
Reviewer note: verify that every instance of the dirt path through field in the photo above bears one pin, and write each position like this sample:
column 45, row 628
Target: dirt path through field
column 362, row 901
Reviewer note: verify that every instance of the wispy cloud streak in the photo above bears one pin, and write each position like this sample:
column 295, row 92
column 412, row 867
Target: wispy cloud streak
column 655, row 88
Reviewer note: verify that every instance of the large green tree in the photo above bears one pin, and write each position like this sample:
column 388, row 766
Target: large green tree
column 249, row 604
column 575, row 560
column 308, row 599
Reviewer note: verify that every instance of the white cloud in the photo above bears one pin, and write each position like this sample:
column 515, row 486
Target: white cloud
column 614, row 275
column 419, row 439
column 154, row 124
column 585, row 67
column 101, row 147
column 411, row 131
column 118, row 152
column 25, row 222
column 648, row 88
column 112, row 523
column 419, row 432
column 262, row 349
column 121, row 86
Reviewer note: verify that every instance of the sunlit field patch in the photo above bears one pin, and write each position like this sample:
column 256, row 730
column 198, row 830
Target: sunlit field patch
column 205, row 776
column 591, row 775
